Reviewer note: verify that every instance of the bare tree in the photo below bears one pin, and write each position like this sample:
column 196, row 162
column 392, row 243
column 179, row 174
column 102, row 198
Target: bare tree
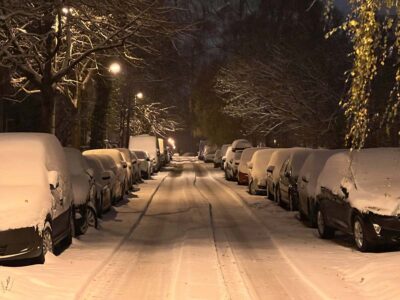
column 51, row 46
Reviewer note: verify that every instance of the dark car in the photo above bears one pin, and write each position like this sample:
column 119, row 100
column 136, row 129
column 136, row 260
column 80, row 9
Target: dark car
column 360, row 195
column 307, row 184
column 288, row 178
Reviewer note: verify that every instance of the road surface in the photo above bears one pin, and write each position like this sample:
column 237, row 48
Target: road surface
column 198, row 241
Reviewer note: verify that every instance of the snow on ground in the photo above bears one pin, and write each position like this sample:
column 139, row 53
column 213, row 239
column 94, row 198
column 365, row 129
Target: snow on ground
column 335, row 267
column 63, row 276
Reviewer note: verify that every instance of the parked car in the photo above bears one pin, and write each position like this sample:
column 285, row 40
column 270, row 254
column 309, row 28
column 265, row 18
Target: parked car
column 136, row 170
column 104, row 179
column 144, row 163
column 274, row 170
column 133, row 166
column 242, row 176
column 224, row 150
column 149, row 144
column 240, row 144
column 117, row 164
column 37, row 209
column 360, row 195
column 162, row 152
column 218, row 158
column 288, row 192
column 307, row 183
column 257, row 171
column 235, row 164
column 84, row 190
column 228, row 164
column 209, row 157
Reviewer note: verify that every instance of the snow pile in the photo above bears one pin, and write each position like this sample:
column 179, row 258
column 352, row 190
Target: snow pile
column 26, row 159
column 246, row 157
column 371, row 177
column 312, row 167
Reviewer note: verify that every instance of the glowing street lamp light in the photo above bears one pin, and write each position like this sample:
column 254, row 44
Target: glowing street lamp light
column 115, row 68
column 171, row 141
column 67, row 10
column 139, row 95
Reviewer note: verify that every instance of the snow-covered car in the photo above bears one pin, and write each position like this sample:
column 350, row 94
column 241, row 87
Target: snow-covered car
column 242, row 175
column 307, row 183
column 240, row 144
column 116, row 163
column 288, row 193
column 360, row 195
column 36, row 207
column 235, row 164
column 257, row 171
column 274, row 171
column 209, row 157
column 218, row 158
column 104, row 179
column 228, row 162
column 84, row 190
column 149, row 144
column 224, row 150
column 146, row 167
column 136, row 171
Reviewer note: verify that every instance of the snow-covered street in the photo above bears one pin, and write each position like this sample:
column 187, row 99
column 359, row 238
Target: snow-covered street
column 189, row 234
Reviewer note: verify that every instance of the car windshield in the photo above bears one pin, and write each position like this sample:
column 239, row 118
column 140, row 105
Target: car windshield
column 238, row 155
column 140, row 154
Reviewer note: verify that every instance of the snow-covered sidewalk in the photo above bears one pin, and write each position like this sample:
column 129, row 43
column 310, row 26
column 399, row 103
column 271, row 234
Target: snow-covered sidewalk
column 332, row 267
column 64, row 276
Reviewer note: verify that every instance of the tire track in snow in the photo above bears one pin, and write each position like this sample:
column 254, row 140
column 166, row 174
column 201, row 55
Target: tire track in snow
column 107, row 261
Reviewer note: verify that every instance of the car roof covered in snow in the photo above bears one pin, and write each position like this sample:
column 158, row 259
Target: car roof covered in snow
column 241, row 144
column 313, row 166
column 371, row 177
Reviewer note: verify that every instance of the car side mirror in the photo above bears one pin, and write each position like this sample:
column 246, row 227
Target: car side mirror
column 106, row 175
column 344, row 191
column 250, row 165
column 124, row 164
column 90, row 172
column 148, row 159
column 304, row 179
column 287, row 174
column 53, row 178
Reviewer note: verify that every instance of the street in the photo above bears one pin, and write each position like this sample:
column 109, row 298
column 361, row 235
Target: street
column 191, row 235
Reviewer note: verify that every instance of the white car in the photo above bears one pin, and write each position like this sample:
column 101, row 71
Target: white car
column 147, row 143
column 241, row 144
column 257, row 171
column 104, row 179
column 36, row 207
column 224, row 149
column 118, row 165
column 242, row 175
column 84, row 190
column 145, row 164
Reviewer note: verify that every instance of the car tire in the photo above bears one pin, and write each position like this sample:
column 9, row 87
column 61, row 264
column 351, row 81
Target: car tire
column 82, row 225
column 312, row 215
column 292, row 204
column 91, row 217
column 324, row 231
column 278, row 197
column 359, row 235
column 253, row 188
column 47, row 242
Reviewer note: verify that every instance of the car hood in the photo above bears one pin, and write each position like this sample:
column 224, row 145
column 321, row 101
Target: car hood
column 80, row 188
column 24, row 206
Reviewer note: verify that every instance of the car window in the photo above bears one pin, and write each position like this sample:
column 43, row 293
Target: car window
column 285, row 166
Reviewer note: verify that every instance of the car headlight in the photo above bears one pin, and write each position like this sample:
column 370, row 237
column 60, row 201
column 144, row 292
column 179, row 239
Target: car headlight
column 377, row 228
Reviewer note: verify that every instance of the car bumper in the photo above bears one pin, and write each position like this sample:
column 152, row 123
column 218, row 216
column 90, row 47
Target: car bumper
column 383, row 228
column 21, row 243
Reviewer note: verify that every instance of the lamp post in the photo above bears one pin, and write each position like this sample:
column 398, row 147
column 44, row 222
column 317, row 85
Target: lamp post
column 137, row 96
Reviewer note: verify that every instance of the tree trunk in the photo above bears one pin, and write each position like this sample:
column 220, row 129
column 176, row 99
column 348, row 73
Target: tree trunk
column 47, row 109
column 99, row 117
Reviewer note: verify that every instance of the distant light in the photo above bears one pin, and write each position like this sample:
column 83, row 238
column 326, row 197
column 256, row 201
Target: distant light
column 139, row 95
column 275, row 141
column 115, row 68
column 67, row 10
column 171, row 141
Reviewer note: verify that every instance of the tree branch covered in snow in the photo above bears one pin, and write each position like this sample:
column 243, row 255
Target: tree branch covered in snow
column 279, row 95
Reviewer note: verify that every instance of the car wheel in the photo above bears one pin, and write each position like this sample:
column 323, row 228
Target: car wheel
column 253, row 188
column 99, row 209
column 312, row 216
column 91, row 217
column 82, row 224
column 325, row 232
column 278, row 197
column 292, row 203
column 359, row 232
column 47, row 242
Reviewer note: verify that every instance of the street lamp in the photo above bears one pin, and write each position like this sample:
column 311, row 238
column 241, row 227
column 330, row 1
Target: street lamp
column 115, row 68
column 66, row 10
column 139, row 95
